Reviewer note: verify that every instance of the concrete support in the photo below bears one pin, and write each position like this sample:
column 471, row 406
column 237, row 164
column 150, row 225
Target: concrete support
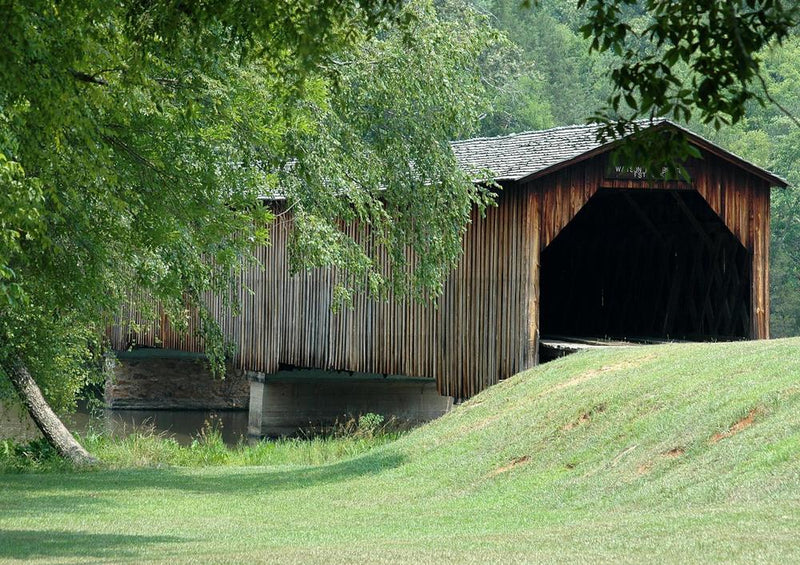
column 256, row 409
column 285, row 402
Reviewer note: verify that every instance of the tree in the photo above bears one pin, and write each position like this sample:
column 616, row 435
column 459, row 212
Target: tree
column 558, row 81
column 681, row 58
column 137, row 139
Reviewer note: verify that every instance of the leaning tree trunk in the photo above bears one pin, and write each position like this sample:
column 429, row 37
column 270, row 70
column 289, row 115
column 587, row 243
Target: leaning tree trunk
column 50, row 425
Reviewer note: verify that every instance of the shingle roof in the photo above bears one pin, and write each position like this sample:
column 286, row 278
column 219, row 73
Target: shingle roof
column 517, row 156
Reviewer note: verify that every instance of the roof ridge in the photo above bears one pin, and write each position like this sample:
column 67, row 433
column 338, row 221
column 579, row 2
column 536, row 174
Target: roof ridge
column 529, row 132
column 592, row 125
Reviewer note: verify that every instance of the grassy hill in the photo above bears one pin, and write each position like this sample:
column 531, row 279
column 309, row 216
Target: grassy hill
column 683, row 453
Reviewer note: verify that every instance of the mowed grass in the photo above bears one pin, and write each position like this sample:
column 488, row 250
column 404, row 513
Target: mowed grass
column 678, row 453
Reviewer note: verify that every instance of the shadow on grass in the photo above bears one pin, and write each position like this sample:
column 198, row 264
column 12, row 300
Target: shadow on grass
column 78, row 492
column 32, row 544
column 29, row 500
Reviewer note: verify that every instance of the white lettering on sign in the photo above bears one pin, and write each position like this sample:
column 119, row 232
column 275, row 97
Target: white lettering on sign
column 638, row 172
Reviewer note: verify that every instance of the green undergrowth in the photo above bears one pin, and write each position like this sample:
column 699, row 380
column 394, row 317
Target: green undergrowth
column 148, row 448
column 685, row 453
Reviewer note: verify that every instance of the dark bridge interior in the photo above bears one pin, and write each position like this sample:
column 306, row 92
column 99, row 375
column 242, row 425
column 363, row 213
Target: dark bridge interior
column 645, row 264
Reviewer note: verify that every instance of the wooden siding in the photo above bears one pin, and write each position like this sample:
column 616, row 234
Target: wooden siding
column 563, row 194
column 477, row 333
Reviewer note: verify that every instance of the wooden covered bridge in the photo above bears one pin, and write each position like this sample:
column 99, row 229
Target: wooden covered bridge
column 575, row 247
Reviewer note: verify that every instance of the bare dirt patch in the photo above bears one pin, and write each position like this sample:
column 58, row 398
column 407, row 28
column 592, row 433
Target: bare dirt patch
column 572, row 425
column 516, row 462
column 584, row 418
column 739, row 426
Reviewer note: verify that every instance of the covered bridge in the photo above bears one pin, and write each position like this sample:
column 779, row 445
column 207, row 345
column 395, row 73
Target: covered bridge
column 576, row 246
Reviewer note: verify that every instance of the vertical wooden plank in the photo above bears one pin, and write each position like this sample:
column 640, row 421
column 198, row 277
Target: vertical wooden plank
column 759, row 236
column 531, row 239
column 765, row 258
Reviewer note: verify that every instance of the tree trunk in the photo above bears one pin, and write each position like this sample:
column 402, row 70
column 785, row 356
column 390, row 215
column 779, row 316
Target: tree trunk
column 50, row 425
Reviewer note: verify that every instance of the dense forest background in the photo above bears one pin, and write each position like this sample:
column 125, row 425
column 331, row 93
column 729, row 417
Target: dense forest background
column 556, row 81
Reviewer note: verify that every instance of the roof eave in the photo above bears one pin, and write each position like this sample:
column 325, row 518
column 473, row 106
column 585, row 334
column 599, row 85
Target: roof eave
column 702, row 143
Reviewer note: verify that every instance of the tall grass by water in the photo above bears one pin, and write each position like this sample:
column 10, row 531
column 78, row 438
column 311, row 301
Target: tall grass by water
column 146, row 447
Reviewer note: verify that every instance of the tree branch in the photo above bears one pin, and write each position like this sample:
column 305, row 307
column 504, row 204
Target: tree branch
column 135, row 156
column 777, row 104
column 84, row 77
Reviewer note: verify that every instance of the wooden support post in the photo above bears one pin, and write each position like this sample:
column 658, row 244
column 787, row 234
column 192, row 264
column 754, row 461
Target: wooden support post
column 764, row 265
column 531, row 247
column 759, row 265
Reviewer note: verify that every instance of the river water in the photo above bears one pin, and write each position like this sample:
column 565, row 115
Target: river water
column 182, row 425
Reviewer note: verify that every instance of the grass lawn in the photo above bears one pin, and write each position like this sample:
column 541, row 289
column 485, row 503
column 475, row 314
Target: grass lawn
column 680, row 453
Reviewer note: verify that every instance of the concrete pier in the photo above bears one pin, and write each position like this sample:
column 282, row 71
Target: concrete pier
column 284, row 402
